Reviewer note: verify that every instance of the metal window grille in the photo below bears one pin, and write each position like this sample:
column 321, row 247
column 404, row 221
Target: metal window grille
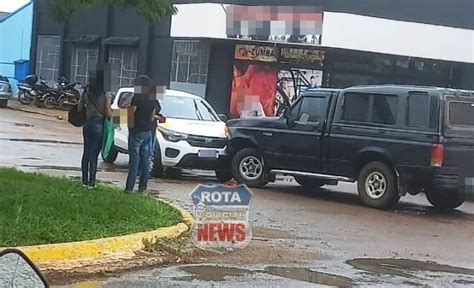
column 83, row 57
column 190, row 62
column 127, row 59
column 47, row 57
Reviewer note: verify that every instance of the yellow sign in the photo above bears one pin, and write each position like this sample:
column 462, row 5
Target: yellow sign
column 302, row 55
column 255, row 53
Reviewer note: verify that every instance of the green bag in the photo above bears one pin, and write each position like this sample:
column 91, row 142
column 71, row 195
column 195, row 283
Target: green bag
column 108, row 137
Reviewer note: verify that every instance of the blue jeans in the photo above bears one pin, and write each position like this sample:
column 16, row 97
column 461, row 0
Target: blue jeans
column 139, row 149
column 92, row 133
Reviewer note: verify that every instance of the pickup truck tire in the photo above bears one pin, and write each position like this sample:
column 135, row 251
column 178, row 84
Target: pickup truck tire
column 3, row 103
column 247, row 168
column 445, row 200
column 308, row 182
column 377, row 185
column 113, row 154
column 224, row 175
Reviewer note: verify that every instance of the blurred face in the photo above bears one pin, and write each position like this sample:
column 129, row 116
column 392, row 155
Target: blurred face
column 284, row 84
column 312, row 81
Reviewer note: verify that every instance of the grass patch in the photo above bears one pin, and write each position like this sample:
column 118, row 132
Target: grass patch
column 38, row 209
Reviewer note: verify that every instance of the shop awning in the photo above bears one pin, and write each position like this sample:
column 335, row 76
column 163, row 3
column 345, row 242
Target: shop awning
column 84, row 39
column 122, row 41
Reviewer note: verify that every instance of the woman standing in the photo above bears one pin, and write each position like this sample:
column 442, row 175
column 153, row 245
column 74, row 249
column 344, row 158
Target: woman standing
column 97, row 104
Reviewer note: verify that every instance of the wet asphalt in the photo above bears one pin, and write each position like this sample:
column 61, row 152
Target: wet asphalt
column 301, row 238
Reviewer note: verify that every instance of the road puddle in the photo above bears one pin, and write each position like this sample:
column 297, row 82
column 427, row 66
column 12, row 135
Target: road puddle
column 219, row 273
column 41, row 141
column 51, row 167
column 405, row 267
column 311, row 276
column 24, row 125
column 214, row 273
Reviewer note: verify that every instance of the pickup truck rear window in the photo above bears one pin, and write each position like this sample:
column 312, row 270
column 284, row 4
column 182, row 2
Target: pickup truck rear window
column 461, row 114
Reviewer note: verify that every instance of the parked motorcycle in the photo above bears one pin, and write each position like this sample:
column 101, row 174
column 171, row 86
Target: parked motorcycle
column 27, row 93
column 69, row 95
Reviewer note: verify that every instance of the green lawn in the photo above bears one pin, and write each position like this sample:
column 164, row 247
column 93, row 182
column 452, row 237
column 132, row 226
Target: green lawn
column 38, row 209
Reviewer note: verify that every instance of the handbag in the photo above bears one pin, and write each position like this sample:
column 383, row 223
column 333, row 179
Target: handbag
column 76, row 118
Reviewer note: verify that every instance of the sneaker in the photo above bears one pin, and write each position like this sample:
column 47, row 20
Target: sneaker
column 129, row 192
column 85, row 186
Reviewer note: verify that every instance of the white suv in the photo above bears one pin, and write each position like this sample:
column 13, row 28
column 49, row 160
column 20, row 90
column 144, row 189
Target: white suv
column 193, row 135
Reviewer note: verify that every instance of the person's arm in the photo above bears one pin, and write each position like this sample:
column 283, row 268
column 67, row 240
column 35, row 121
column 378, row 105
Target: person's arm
column 80, row 105
column 131, row 115
column 153, row 115
column 108, row 105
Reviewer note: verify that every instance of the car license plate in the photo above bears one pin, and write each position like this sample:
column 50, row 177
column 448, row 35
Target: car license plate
column 207, row 154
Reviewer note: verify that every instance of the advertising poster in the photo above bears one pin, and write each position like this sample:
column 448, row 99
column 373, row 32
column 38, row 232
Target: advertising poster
column 253, row 89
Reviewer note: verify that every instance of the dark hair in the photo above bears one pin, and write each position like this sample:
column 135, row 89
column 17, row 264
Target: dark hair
column 312, row 77
column 96, row 81
column 142, row 80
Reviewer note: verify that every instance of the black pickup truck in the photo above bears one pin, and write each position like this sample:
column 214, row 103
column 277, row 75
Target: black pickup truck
column 391, row 139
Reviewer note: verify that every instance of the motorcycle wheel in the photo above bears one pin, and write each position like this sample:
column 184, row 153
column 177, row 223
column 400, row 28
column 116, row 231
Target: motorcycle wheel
column 49, row 102
column 64, row 103
column 24, row 98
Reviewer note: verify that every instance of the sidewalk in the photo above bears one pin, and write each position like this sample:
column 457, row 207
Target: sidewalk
column 53, row 113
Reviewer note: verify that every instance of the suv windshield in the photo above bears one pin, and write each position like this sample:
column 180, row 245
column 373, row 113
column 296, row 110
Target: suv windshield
column 187, row 108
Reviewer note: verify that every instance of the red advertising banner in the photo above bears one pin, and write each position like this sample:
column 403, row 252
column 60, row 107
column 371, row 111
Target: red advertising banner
column 253, row 90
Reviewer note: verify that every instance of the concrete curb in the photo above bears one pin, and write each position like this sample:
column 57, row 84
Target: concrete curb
column 74, row 254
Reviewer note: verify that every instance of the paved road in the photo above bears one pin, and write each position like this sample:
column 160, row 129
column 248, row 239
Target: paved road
column 301, row 238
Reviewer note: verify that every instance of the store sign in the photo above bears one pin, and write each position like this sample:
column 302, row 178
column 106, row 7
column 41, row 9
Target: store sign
column 255, row 53
column 299, row 55
column 221, row 217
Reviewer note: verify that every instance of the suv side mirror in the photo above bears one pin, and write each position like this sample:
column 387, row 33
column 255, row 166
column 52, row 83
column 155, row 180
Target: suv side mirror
column 223, row 117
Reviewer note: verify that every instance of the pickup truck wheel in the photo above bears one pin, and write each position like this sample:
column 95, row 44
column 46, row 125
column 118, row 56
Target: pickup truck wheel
column 377, row 185
column 112, row 156
column 3, row 103
column 224, row 175
column 308, row 182
column 445, row 200
column 247, row 168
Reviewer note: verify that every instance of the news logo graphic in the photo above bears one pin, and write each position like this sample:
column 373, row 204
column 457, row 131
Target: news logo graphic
column 221, row 217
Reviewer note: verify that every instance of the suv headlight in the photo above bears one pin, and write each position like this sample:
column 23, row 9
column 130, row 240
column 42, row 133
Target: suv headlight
column 172, row 136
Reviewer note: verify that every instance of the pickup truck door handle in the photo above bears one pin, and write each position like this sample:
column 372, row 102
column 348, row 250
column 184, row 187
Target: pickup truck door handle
column 267, row 134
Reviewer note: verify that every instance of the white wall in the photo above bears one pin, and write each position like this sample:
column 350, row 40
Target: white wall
column 199, row 20
column 396, row 37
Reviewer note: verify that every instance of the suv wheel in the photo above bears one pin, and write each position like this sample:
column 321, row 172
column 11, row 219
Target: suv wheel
column 156, row 168
column 377, row 185
column 224, row 175
column 442, row 200
column 112, row 156
column 247, row 168
column 309, row 182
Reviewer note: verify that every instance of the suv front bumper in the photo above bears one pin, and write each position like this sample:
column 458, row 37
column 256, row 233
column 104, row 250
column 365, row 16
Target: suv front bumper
column 181, row 154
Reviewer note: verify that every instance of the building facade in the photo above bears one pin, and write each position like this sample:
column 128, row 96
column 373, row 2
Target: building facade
column 192, row 51
column 15, row 40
